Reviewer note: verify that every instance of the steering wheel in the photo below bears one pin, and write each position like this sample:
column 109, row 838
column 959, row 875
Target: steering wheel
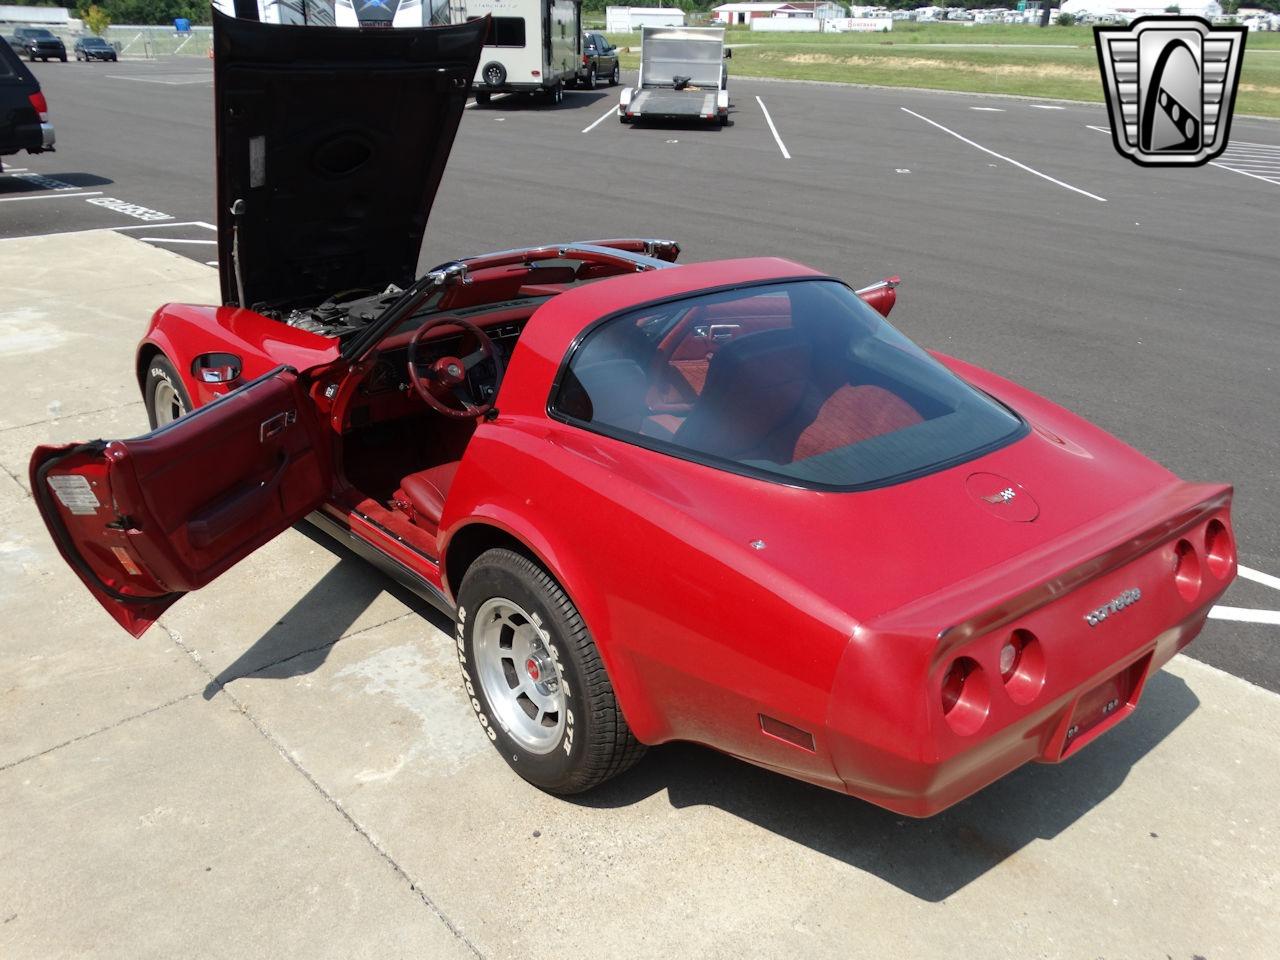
column 447, row 376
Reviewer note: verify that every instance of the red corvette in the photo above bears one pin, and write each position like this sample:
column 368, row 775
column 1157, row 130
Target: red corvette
column 725, row 502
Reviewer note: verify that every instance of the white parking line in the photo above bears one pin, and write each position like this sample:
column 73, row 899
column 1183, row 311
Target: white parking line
column 1001, row 156
column 15, row 170
column 612, row 111
column 1244, row 615
column 1246, row 173
column 989, row 109
column 51, row 196
column 175, row 240
column 157, row 226
column 781, row 146
column 1106, row 130
column 1257, row 576
column 1046, row 106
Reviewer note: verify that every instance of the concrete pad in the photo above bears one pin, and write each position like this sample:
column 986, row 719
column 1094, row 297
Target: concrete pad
column 186, row 833
column 1160, row 838
column 66, row 668
column 281, row 610
column 90, row 294
column 121, row 421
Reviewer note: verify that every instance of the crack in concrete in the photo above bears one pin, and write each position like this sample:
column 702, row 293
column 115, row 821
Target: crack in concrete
column 72, row 416
column 14, row 477
column 319, row 788
column 93, row 733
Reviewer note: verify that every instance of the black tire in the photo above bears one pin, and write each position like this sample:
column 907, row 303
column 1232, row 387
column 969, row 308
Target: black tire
column 616, row 77
column 161, row 375
column 595, row 742
column 591, row 78
column 482, row 99
column 557, row 93
column 494, row 74
column 64, row 58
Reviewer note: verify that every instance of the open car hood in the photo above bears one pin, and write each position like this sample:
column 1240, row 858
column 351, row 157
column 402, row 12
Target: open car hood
column 331, row 143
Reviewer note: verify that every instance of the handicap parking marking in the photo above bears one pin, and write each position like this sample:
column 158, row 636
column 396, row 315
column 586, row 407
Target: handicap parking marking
column 135, row 210
column 1260, row 161
column 51, row 196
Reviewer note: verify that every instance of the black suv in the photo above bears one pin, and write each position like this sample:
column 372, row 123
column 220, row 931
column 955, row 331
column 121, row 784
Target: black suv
column 24, row 116
column 39, row 44
column 599, row 59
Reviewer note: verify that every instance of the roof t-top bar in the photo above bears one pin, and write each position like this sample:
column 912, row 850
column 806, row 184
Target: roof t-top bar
column 640, row 254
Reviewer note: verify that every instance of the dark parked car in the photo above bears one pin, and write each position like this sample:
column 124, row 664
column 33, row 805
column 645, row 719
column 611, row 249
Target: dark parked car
column 39, row 44
column 599, row 59
column 94, row 48
column 24, row 115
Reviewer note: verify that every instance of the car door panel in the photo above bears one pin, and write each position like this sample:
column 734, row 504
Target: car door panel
column 144, row 521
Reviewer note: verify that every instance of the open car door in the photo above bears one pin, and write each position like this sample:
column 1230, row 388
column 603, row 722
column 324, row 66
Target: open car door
column 144, row 521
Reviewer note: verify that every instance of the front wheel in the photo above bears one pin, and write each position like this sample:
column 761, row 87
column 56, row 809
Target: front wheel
column 535, row 679
column 163, row 393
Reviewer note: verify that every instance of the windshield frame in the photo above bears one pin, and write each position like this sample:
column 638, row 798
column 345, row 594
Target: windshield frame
column 739, row 468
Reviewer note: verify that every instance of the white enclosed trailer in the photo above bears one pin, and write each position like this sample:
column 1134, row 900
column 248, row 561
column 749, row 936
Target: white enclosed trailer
column 682, row 76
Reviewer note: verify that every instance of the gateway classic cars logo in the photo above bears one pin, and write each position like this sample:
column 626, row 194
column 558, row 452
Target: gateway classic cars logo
column 1170, row 84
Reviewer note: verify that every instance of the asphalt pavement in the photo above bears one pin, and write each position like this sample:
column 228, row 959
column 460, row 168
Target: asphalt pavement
column 1143, row 299
column 287, row 764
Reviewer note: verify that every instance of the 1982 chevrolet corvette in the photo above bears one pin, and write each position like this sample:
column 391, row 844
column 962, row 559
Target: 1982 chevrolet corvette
column 724, row 502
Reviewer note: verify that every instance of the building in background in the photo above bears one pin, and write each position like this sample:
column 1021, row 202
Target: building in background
column 628, row 19
column 743, row 13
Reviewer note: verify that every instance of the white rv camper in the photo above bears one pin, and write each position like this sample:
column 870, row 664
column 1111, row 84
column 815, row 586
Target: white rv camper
column 533, row 45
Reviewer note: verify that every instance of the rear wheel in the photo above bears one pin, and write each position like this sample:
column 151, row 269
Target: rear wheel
column 616, row 77
column 591, row 78
column 557, row 93
column 535, row 679
column 165, row 397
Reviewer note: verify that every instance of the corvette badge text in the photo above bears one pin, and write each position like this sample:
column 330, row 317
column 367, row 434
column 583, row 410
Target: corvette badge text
column 1126, row 599
column 1170, row 84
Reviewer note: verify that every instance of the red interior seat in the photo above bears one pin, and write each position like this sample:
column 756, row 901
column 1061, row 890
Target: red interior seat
column 422, row 494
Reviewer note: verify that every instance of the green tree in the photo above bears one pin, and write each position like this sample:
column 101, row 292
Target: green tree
column 96, row 19
column 1065, row 20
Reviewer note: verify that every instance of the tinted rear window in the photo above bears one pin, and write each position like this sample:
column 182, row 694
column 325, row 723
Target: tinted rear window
column 799, row 382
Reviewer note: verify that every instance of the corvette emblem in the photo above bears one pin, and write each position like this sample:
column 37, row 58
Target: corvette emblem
column 1002, row 496
column 1126, row 599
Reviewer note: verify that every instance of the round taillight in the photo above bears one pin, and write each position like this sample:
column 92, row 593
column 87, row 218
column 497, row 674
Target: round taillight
column 1022, row 666
column 1219, row 551
column 1186, row 570
column 965, row 696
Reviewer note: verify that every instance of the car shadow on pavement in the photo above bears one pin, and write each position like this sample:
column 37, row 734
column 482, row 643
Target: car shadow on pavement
column 930, row 859
column 574, row 99
column 30, row 182
column 301, row 640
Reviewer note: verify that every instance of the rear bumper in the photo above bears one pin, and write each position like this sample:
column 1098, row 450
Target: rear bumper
column 922, row 788
column 1098, row 630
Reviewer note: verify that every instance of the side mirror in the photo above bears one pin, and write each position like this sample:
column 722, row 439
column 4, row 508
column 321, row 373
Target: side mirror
column 728, row 53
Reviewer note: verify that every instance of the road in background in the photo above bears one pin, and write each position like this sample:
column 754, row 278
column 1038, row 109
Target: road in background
column 1142, row 299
